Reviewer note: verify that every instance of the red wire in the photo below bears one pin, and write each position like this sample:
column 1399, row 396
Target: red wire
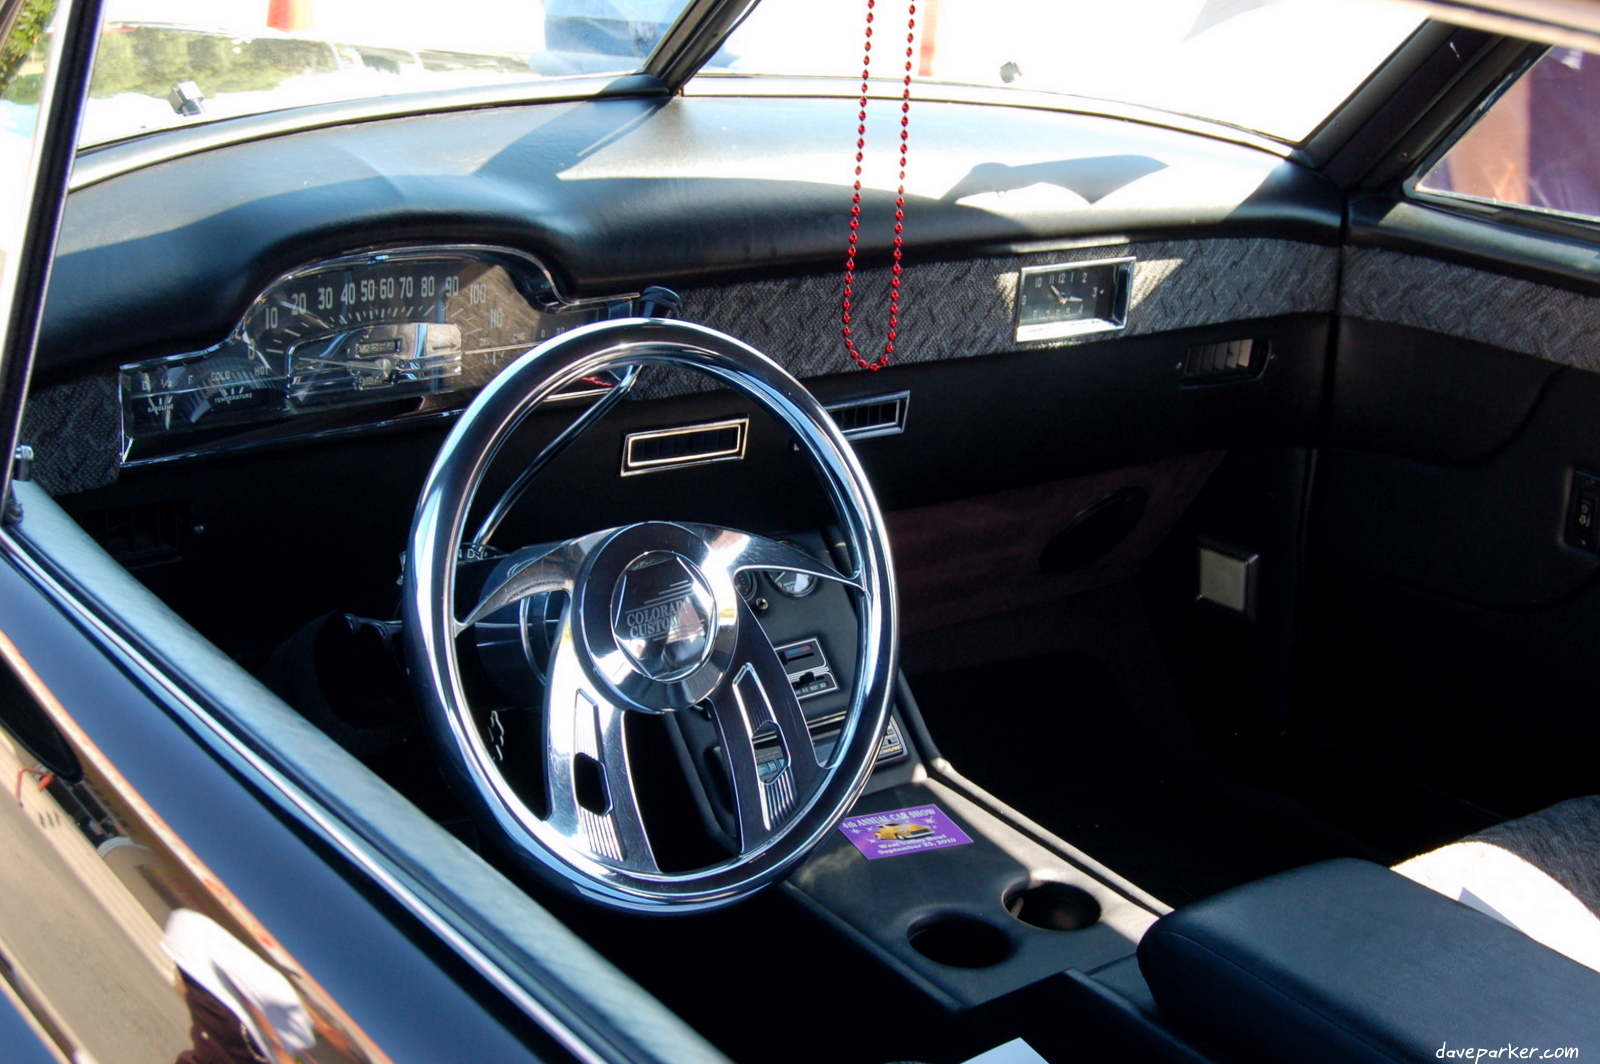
column 899, row 199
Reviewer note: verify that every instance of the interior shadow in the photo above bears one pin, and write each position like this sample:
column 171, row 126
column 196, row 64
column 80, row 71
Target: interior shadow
column 1093, row 178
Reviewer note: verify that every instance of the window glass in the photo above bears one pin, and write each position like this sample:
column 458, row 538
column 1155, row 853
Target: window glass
column 167, row 63
column 1537, row 146
column 1276, row 66
column 22, row 68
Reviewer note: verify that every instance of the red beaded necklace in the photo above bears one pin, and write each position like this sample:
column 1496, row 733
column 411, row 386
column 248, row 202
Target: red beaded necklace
column 899, row 199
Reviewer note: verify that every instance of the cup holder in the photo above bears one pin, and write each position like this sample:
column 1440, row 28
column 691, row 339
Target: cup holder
column 960, row 942
column 1054, row 906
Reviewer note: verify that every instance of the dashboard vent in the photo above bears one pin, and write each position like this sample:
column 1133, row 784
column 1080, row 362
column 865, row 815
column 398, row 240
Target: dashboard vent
column 1226, row 361
column 877, row 415
column 686, row 445
column 142, row 535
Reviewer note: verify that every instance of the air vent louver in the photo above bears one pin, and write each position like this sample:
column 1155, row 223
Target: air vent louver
column 142, row 535
column 878, row 415
column 1225, row 361
column 686, row 445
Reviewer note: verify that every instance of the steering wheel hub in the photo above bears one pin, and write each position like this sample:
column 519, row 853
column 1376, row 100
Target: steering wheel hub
column 663, row 616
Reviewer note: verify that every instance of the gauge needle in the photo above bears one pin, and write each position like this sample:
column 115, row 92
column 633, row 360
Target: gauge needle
column 1062, row 297
column 310, row 316
column 384, row 366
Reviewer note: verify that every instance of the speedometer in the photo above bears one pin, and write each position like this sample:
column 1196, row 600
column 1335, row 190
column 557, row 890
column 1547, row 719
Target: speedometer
column 389, row 324
column 402, row 322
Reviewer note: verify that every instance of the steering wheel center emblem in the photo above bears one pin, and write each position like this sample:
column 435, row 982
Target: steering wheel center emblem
column 663, row 616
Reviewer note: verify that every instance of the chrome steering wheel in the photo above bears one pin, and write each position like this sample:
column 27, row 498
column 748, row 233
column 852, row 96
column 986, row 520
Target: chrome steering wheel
column 642, row 619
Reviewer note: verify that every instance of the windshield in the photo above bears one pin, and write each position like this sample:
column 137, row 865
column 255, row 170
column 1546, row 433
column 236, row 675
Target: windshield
column 165, row 63
column 1278, row 67
column 1275, row 66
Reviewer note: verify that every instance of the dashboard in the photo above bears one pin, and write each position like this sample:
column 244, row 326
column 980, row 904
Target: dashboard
column 263, row 343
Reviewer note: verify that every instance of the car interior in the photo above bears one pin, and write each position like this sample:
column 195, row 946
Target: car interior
column 1238, row 500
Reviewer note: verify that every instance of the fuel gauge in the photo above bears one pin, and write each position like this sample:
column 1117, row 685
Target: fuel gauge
column 198, row 391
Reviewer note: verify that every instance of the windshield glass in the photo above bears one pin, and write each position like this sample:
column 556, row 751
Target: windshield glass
column 1275, row 66
column 165, row 63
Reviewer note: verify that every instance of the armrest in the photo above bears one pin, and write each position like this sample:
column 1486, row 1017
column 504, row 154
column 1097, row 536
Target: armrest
column 1346, row 961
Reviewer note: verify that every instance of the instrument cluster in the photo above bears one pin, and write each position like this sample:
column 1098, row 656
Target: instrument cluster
column 424, row 324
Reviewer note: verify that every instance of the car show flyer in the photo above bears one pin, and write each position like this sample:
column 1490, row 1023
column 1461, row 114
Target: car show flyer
column 902, row 831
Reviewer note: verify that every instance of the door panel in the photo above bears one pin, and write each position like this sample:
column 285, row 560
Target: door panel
column 1488, row 533
column 1418, row 394
column 1451, row 630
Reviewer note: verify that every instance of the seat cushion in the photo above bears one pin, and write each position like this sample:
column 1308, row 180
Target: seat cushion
column 1347, row 962
column 1539, row 874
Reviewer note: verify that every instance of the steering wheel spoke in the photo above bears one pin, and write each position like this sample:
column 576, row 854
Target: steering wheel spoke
column 771, row 761
column 592, row 798
column 553, row 571
column 737, row 551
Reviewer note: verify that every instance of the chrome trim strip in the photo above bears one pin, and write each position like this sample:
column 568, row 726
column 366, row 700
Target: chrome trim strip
column 237, row 446
column 1571, row 25
column 632, row 467
column 314, row 813
column 694, row 37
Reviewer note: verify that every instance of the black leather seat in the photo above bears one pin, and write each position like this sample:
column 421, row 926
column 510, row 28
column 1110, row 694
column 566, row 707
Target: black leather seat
column 1347, row 962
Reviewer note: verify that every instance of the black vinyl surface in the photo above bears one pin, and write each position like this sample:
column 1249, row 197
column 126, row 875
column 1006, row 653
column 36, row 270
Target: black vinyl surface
column 1052, row 737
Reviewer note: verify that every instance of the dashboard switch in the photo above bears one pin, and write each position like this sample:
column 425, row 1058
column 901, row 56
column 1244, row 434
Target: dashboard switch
column 1583, row 512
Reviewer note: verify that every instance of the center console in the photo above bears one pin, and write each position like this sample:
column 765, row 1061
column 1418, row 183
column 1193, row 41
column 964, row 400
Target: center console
column 1009, row 929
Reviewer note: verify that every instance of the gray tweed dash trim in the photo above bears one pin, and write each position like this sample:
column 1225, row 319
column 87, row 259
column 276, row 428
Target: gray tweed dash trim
column 75, row 430
column 1549, row 323
column 965, row 308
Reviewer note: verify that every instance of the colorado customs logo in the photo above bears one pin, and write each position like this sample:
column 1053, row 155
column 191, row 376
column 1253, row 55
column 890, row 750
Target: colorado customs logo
column 663, row 616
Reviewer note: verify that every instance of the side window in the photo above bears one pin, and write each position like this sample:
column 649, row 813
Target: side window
column 23, row 53
column 1537, row 146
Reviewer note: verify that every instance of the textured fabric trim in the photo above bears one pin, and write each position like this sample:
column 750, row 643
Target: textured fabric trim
column 74, row 430
column 1563, row 841
column 1549, row 323
column 967, row 308
column 1518, row 893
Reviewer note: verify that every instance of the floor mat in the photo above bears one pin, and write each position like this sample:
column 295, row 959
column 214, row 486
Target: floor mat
column 1052, row 737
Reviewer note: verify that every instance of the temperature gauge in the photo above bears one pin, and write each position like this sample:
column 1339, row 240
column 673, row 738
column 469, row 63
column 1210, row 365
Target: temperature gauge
column 174, row 394
column 793, row 584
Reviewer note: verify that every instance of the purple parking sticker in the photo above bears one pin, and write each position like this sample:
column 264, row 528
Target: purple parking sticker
column 899, row 831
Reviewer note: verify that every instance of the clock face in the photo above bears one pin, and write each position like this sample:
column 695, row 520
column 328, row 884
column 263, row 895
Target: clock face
column 1072, row 298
